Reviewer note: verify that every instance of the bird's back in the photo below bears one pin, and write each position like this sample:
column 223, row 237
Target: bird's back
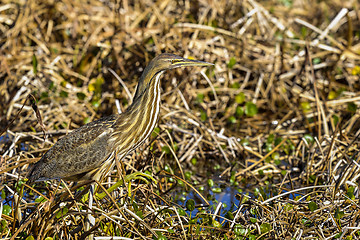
column 78, row 153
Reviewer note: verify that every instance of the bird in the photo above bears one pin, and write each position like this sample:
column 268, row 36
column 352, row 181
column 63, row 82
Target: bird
column 88, row 152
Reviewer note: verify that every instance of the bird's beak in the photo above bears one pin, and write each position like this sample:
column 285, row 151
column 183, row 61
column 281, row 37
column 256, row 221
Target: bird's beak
column 184, row 62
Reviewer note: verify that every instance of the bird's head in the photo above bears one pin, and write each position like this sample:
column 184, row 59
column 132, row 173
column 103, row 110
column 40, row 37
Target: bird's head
column 167, row 61
column 161, row 63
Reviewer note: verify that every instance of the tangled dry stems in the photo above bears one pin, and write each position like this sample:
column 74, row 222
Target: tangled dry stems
column 298, row 63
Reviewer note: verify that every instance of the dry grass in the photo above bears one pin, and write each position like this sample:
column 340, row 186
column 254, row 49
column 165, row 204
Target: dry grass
column 298, row 61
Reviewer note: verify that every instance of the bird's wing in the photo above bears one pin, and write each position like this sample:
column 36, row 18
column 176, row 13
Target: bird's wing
column 82, row 150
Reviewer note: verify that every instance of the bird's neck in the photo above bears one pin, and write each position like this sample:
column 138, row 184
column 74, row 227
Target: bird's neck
column 140, row 119
column 147, row 77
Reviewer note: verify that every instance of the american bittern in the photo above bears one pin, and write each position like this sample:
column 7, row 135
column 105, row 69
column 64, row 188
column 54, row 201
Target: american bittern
column 87, row 152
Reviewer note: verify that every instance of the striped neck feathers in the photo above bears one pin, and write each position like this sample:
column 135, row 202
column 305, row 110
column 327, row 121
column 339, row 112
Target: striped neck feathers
column 137, row 123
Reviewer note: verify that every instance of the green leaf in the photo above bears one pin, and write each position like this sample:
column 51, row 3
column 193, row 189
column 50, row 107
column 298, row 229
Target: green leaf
column 188, row 175
column 339, row 214
column 350, row 192
column 244, row 142
column 231, row 63
column 34, row 63
column 181, row 212
column 216, row 190
column 200, row 97
column 190, row 205
column 197, row 231
column 203, row 115
column 86, row 120
column 277, row 162
column 239, row 111
column 135, row 206
column 309, row 139
column 216, row 224
column 240, row 98
column 155, row 132
column 250, row 109
column 229, row 215
column 268, row 147
column 54, row 50
column 193, row 220
column 193, row 161
column 64, row 94
column 278, row 141
column 181, row 183
column 161, row 237
column 253, row 211
column 279, row 35
column 312, row 206
column 305, row 106
column 30, row 238
column 253, row 220
column 332, row 95
column 165, row 149
column 288, row 207
column 235, row 85
column 316, row 60
column 232, row 119
column 64, row 83
column 252, row 237
column 175, row 147
column 232, row 178
column 351, row 107
column 335, row 119
column 62, row 212
column 304, row 32
column 210, row 182
column 355, row 70
column 239, row 230
column 44, row 95
column 95, row 103
column 275, row 156
column 312, row 178
column 338, row 235
column 150, row 41
column 265, row 227
column 6, row 210
column 18, row 185
column 270, row 138
column 80, row 95
column 3, row 194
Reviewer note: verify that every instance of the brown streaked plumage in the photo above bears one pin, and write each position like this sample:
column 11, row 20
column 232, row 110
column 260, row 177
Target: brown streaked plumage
column 87, row 152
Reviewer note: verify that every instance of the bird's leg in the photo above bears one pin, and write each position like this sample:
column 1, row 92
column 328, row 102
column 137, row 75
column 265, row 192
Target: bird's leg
column 128, row 178
column 91, row 220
